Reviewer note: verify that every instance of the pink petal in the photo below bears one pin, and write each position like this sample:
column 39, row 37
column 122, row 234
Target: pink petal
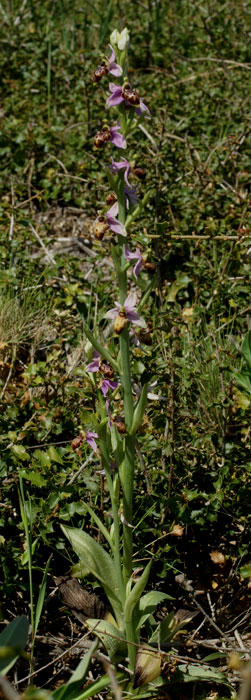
column 115, row 69
column 116, row 226
column 118, row 140
column 112, row 313
column 93, row 366
column 114, row 100
column 113, row 87
column 135, row 318
column 131, row 301
column 137, row 268
column 114, row 210
column 143, row 108
column 108, row 384
column 90, row 435
column 113, row 55
column 116, row 166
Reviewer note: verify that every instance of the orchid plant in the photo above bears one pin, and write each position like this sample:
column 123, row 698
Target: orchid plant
column 111, row 436
column 114, row 436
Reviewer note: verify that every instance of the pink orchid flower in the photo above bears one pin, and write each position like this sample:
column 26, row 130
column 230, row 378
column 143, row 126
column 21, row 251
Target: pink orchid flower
column 108, row 384
column 110, row 133
column 123, row 164
column 128, row 308
column 117, row 97
column 129, row 255
column 113, row 223
column 117, row 139
column 94, row 366
column 90, row 435
column 113, row 67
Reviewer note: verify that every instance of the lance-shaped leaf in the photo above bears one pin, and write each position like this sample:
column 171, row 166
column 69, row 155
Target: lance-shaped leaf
column 139, row 411
column 134, row 595
column 95, row 688
column 147, row 605
column 69, row 691
column 99, row 523
column 243, row 378
column 246, row 348
column 13, row 640
column 100, row 348
column 41, row 597
column 111, row 637
column 190, row 673
column 172, row 623
column 99, row 563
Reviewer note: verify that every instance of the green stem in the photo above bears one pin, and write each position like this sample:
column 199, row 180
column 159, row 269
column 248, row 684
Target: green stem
column 131, row 637
column 127, row 490
column 126, row 377
column 116, row 524
column 127, row 471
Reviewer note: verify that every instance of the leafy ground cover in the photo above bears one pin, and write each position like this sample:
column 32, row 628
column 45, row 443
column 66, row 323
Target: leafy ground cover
column 191, row 491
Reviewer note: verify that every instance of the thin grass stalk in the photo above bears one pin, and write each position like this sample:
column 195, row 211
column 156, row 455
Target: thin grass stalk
column 48, row 78
column 27, row 523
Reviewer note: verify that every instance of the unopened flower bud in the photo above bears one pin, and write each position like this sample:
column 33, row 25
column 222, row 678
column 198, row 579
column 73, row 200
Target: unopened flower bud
column 147, row 667
column 119, row 323
column 140, row 173
column 100, row 227
column 106, row 369
column 100, row 72
column 76, row 442
column 120, row 39
column 111, row 198
column 120, row 424
column 150, row 267
column 131, row 96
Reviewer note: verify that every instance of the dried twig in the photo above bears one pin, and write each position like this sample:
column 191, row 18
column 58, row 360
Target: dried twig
column 64, row 653
column 229, row 62
column 47, row 252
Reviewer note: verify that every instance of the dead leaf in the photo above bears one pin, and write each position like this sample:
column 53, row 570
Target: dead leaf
column 217, row 557
column 187, row 314
column 177, row 531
